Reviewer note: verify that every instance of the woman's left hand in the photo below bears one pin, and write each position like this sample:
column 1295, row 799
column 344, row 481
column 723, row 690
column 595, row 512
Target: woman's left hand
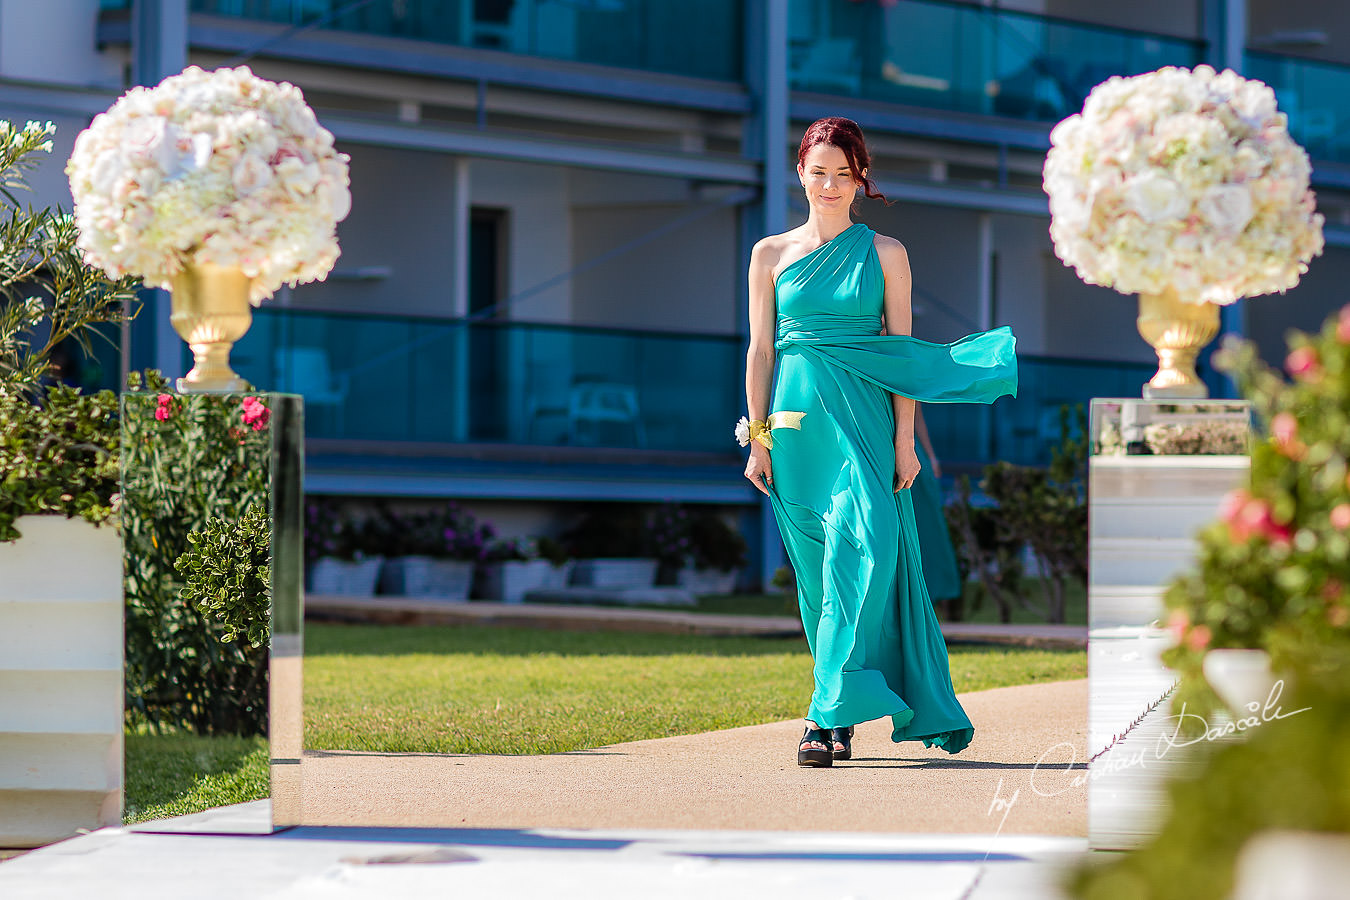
column 906, row 466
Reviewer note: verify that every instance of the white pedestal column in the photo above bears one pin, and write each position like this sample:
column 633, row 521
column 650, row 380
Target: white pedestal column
column 60, row 681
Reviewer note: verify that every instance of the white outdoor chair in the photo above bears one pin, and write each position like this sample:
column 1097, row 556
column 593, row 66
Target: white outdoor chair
column 306, row 371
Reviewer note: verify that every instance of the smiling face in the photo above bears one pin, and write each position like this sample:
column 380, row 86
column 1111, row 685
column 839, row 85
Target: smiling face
column 829, row 183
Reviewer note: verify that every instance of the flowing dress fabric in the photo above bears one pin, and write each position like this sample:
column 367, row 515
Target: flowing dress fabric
column 940, row 572
column 851, row 539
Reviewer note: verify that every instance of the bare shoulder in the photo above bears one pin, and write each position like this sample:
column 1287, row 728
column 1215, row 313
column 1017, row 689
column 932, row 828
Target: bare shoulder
column 769, row 250
column 890, row 251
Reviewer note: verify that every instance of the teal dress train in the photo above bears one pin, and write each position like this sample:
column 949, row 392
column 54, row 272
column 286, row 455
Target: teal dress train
column 851, row 539
column 941, row 575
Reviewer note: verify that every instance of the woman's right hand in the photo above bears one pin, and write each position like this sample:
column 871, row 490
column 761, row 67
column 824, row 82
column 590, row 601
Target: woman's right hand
column 759, row 464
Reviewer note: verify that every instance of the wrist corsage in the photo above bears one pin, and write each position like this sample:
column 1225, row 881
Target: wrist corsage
column 761, row 429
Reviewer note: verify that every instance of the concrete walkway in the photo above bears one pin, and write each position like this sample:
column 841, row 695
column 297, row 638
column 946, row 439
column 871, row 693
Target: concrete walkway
column 723, row 814
column 744, row 778
column 572, row 617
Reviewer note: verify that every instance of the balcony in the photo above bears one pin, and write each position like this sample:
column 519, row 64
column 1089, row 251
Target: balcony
column 964, row 58
column 1315, row 96
column 698, row 38
column 371, row 379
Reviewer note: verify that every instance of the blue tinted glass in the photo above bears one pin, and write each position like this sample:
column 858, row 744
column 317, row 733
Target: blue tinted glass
column 1316, row 98
column 702, row 38
column 958, row 57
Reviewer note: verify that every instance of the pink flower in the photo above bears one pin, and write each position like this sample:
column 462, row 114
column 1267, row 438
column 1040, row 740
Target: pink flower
column 1198, row 637
column 1284, row 430
column 162, row 413
column 1252, row 518
column 1340, row 516
column 1303, row 363
column 256, row 413
column 1177, row 623
column 1343, row 325
column 165, row 399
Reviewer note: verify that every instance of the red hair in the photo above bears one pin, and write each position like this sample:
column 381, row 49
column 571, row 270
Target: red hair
column 845, row 134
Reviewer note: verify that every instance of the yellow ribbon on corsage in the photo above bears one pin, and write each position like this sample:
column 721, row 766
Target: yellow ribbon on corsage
column 761, row 430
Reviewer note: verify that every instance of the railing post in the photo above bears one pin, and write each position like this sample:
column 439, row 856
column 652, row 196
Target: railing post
column 1225, row 28
column 159, row 45
column 766, row 69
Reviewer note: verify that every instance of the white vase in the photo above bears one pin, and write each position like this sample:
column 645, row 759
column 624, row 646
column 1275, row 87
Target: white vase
column 345, row 578
column 61, row 680
column 428, row 578
column 615, row 572
column 510, row 581
column 1292, row 865
column 706, row 581
column 1241, row 677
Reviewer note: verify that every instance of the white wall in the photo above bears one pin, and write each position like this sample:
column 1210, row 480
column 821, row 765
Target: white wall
column 53, row 41
column 535, row 198
column 686, row 280
column 401, row 217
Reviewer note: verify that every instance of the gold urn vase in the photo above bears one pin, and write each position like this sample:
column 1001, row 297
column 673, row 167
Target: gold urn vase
column 1178, row 332
column 210, row 311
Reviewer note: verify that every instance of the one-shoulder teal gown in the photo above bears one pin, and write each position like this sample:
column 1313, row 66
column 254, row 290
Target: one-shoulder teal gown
column 851, row 539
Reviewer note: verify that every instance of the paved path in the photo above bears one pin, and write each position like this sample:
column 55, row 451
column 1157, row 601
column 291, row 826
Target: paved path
column 564, row 617
column 743, row 778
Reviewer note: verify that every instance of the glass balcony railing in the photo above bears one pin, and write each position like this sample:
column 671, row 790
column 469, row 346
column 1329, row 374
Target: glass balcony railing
column 1315, row 96
column 411, row 380
column 383, row 378
column 702, row 38
column 966, row 58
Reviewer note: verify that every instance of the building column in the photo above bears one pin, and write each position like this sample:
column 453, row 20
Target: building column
column 1225, row 31
column 159, row 48
column 766, row 139
column 459, row 289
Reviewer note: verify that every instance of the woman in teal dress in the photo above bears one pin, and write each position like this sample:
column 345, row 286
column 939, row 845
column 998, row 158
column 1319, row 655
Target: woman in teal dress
column 833, row 448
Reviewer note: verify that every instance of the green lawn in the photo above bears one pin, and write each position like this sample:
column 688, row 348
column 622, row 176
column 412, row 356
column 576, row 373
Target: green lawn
column 176, row 774
column 473, row 689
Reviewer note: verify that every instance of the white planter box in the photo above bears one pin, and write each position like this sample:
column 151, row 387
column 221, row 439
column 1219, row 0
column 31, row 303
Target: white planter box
column 615, row 572
column 422, row 576
column 509, row 581
column 60, row 680
column 347, row 578
column 706, row 581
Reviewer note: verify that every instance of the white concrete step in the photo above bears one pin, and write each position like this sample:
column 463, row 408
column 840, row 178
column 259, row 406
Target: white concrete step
column 1150, row 517
column 1115, row 605
column 61, row 702
column 75, row 635
column 1138, row 561
column 77, row 762
column 34, row 818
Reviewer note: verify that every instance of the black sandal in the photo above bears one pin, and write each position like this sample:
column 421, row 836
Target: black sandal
column 842, row 736
column 815, row 758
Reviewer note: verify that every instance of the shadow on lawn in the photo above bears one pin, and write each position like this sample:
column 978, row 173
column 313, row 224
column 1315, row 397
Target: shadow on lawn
column 162, row 768
column 330, row 639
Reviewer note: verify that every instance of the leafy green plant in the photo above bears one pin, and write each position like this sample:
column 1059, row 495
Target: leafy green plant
column 447, row 531
column 701, row 539
column 227, row 574
column 1041, row 510
column 524, row 549
column 187, row 459
column 48, row 295
column 60, row 457
column 610, row 530
column 58, row 447
column 1273, row 572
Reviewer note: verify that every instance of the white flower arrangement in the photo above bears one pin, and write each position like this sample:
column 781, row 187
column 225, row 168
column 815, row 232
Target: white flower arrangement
column 215, row 167
column 1183, row 179
column 743, row 432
